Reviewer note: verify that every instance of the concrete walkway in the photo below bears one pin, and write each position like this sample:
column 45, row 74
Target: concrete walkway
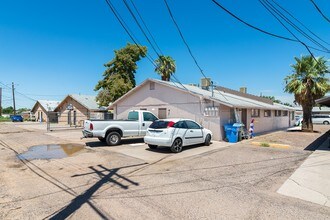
column 311, row 181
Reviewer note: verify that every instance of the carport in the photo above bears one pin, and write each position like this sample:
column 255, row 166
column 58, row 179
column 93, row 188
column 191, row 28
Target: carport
column 324, row 101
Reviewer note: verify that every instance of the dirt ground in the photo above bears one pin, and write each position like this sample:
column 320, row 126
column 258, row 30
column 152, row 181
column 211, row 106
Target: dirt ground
column 130, row 181
column 293, row 139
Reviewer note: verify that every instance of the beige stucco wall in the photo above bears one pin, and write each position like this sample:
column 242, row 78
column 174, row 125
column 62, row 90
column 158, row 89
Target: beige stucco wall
column 40, row 112
column 263, row 124
column 180, row 104
column 82, row 113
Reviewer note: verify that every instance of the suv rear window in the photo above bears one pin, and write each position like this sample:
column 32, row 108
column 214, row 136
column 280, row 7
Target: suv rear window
column 159, row 124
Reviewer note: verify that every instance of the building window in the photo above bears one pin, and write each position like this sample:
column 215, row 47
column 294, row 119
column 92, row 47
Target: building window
column 152, row 86
column 292, row 115
column 285, row 113
column 267, row 113
column 255, row 112
column 278, row 113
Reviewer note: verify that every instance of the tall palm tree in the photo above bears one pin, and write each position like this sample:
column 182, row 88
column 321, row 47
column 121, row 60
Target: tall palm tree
column 165, row 67
column 308, row 82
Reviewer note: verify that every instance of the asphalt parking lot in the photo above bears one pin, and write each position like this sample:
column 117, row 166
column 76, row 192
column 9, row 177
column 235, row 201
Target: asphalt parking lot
column 221, row 181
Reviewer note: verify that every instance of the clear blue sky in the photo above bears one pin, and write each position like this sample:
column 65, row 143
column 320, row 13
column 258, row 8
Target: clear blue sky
column 53, row 48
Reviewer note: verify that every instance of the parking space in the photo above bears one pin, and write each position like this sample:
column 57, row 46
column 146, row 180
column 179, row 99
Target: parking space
column 131, row 181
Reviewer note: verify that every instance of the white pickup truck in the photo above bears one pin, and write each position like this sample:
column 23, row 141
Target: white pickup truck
column 111, row 131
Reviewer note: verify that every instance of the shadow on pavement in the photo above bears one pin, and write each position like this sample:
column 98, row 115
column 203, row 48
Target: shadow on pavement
column 319, row 141
column 167, row 150
column 98, row 143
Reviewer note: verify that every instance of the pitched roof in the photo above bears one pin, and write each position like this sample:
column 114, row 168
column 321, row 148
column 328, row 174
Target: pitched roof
column 89, row 101
column 221, row 97
column 47, row 105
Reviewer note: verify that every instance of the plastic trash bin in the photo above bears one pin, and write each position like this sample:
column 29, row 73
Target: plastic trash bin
column 231, row 133
column 239, row 128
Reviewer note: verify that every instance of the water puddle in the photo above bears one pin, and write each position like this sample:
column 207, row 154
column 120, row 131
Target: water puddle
column 50, row 151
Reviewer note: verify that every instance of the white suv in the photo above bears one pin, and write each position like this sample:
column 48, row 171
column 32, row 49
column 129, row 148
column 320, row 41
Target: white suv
column 321, row 119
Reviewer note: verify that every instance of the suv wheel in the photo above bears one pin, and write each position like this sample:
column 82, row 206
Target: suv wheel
column 113, row 138
column 176, row 146
column 325, row 122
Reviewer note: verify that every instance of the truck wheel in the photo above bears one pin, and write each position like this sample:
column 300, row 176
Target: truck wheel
column 113, row 138
column 102, row 139
column 151, row 146
column 207, row 140
column 176, row 146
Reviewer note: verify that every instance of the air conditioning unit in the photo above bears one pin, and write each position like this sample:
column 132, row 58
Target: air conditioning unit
column 205, row 82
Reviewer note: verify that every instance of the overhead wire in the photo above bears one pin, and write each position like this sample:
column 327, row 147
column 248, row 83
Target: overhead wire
column 319, row 10
column 259, row 29
column 187, row 45
column 270, row 11
column 290, row 14
column 140, row 27
column 182, row 37
column 115, row 12
column 123, row 24
column 275, row 10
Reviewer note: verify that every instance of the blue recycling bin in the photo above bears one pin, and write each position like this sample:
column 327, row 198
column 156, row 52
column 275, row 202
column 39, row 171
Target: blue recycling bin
column 231, row 133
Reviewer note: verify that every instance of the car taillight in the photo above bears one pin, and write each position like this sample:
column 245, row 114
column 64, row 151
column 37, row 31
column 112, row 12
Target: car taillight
column 170, row 124
column 91, row 127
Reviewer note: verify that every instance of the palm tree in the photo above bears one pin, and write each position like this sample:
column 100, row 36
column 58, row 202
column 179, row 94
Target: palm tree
column 165, row 66
column 308, row 82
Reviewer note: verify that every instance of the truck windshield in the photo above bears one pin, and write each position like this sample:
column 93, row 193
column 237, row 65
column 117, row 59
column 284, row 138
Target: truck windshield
column 134, row 116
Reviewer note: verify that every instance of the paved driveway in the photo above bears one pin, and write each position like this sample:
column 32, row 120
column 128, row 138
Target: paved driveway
column 131, row 182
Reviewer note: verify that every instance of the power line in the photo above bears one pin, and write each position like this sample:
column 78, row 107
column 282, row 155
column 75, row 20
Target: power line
column 122, row 23
column 137, row 11
column 185, row 42
column 139, row 25
column 299, row 22
column 182, row 37
column 261, row 30
column 274, row 9
column 130, row 35
column 319, row 10
column 25, row 95
column 267, row 8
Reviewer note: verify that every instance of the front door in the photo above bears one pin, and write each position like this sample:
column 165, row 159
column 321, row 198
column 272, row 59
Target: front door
column 69, row 117
column 74, row 118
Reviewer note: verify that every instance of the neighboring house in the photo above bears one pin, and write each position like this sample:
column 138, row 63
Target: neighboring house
column 212, row 109
column 44, row 110
column 74, row 109
column 315, row 110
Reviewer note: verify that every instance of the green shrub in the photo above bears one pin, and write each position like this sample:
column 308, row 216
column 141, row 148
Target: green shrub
column 264, row 144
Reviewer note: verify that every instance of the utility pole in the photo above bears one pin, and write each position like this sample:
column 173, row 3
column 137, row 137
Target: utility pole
column 0, row 101
column 13, row 90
